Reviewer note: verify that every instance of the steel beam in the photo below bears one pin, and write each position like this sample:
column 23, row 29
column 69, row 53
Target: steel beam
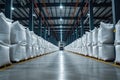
column 55, row 18
column 8, row 8
column 91, row 24
column 116, row 10
column 82, row 27
column 64, row 25
column 31, row 18
column 39, row 27
column 68, row 4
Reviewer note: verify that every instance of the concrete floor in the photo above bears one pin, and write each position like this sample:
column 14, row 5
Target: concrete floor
column 61, row 66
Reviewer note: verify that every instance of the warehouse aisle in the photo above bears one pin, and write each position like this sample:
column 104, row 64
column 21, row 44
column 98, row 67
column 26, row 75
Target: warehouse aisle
column 61, row 66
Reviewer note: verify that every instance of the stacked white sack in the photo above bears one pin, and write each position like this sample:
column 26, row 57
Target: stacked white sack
column 28, row 44
column 117, row 42
column 105, row 41
column 34, row 42
column 95, row 42
column 89, row 43
column 18, row 42
column 5, row 26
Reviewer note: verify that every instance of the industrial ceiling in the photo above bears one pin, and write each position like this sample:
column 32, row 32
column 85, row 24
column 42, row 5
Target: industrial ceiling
column 61, row 14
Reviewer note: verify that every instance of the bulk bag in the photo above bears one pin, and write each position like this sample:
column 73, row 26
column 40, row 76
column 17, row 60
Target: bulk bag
column 117, row 49
column 18, row 52
column 29, row 52
column 106, row 52
column 28, row 37
column 17, row 33
column 89, row 38
column 117, row 33
column 105, row 33
column 4, row 54
column 90, row 51
column 5, row 26
column 33, row 38
column 85, row 50
column 95, row 36
column 95, row 51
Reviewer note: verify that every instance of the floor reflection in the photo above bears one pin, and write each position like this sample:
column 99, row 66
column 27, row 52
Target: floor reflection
column 61, row 66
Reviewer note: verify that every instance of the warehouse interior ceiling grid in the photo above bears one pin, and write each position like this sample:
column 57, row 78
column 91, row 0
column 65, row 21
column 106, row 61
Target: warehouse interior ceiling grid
column 70, row 14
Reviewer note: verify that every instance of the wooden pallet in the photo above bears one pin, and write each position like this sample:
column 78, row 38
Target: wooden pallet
column 106, row 60
column 6, row 65
column 117, row 63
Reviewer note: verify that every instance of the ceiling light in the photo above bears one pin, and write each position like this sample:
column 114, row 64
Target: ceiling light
column 60, row 26
column 61, row 19
column 88, row 15
column 34, row 15
column 61, row 7
column 12, row 8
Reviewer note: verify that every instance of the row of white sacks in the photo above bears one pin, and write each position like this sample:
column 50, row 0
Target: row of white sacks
column 18, row 43
column 99, row 43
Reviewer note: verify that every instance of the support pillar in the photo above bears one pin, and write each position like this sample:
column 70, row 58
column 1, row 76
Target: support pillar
column 91, row 23
column 31, row 18
column 8, row 8
column 116, row 10
column 82, row 27
column 39, row 27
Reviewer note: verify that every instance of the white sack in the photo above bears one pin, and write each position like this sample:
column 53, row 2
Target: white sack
column 5, row 26
column 18, row 52
column 90, row 51
column 117, row 33
column 85, row 50
column 4, row 55
column 95, row 51
column 28, row 37
column 34, row 38
column 105, row 33
column 106, row 52
column 117, row 50
column 89, row 38
column 17, row 33
column 34, row 51
column 29, row 52
column 95, row 36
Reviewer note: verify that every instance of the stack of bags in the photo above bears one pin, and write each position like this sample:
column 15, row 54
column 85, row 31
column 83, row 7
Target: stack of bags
column 80, row 45
column 28, row 44
column 117, row 42
column 5, row 26
column 85, row 49
column 75, row 46
column 18, row 42
column 89, row 43
column 36, row 46
column 34, row 42
column 40, row 45
column 106, row 42
column 95, row 42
